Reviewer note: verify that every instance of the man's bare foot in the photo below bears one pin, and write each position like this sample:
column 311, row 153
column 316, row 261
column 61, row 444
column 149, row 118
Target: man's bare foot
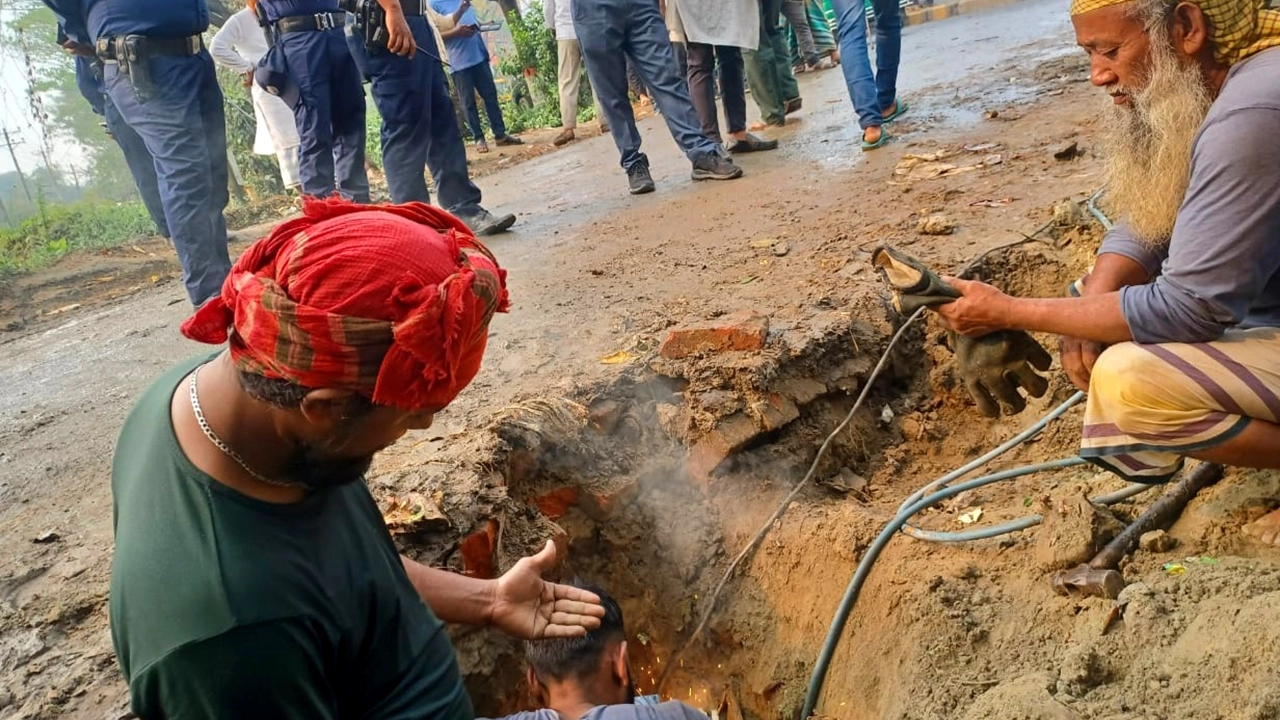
column 1265, row 529
column 872, row 134
column 889, row 111
column 758, row 126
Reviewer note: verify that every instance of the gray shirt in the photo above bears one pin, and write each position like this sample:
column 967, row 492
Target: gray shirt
column 1221, row 267
column 670, row 710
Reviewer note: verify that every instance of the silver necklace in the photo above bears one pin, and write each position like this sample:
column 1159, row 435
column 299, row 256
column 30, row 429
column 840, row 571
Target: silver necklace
column 218, row 442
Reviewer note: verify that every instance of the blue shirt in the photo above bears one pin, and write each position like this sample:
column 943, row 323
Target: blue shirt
column 277, row 9
column 87, row 20
column 464, row 52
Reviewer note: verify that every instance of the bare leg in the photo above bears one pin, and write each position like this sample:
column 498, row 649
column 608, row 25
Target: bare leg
column 1257, row 446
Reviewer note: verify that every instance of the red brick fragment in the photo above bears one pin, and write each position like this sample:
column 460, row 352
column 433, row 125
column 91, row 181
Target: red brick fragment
column 557, row 502
column 477, row 551
column 740, row 331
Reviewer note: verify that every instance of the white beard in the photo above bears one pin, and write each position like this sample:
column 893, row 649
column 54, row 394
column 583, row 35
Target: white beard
column 1148, row 145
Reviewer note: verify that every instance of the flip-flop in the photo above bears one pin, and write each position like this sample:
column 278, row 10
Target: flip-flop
column 903, row 106
column 482, row 148
column 884, row 139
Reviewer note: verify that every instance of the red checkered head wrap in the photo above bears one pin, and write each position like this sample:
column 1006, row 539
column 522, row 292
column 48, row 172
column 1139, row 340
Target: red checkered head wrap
column 392, row 302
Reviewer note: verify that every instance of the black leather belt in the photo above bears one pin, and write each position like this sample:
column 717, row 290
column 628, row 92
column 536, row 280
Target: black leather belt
column 113, row 49
column 311, row 23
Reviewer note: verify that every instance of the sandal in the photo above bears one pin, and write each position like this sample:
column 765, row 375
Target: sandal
column 899, row 108
column 884, row 138
column 792, row 105
column 482, row 147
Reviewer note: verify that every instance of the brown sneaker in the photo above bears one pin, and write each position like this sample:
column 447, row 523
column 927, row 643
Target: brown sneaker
column 565, row 137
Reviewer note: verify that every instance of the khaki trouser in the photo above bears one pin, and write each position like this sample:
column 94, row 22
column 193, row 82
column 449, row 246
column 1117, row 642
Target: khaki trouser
column 570, row 74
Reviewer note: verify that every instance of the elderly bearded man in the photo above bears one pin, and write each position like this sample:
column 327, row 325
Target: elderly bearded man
column 253, row 576
column 1185, row 292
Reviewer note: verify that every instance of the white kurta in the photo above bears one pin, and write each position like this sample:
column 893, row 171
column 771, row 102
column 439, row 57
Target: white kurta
column 239, row 45
column 735, row 23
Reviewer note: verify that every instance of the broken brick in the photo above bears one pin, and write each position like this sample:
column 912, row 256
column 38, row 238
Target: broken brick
column 775, row 411
column 477, row 551
column 730, row 435
column 740, row 331
column 557, row 502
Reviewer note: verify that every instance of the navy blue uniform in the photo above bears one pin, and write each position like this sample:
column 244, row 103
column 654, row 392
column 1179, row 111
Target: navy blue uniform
column 180, row 120
column 418, row 124
column 141, row 165
column 330, row 109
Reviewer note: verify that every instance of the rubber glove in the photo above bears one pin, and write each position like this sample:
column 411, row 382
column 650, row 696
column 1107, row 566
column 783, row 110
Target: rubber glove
column 992, row 367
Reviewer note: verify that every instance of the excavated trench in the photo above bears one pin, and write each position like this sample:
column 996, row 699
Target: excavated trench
column 656, row 481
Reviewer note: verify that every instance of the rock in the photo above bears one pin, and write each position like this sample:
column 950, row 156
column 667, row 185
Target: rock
column 6, row 698
column 1070, row 152
column 740, row 331
column 936, row 225
column 1073, row 531
column 781, row 249
column 47, row 536
column 1157, row 541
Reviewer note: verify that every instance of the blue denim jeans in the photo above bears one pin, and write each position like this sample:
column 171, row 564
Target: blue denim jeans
column 478, row 79
column 870, row 92
column 613, row 32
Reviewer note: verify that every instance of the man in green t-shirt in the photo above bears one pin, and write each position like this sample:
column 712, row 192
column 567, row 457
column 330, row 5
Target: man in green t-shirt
column 253, row 576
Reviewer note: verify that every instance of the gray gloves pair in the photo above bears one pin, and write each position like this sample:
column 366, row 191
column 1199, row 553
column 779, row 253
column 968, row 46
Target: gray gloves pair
column 993, row 366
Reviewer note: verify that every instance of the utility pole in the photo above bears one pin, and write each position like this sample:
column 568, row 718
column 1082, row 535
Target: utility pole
column 21, row 178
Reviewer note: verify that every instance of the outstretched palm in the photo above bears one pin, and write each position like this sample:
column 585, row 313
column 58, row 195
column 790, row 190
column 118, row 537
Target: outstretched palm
column 528, row 607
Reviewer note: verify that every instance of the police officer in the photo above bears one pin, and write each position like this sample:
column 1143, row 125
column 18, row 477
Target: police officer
column 418, row 123
column 159, row 76
column 310, row 48
column 141, row 165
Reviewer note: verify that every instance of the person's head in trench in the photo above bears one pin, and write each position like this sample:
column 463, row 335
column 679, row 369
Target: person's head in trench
column 347, row 328
column 1161, row 64
column 590, row 677
column 586, row 671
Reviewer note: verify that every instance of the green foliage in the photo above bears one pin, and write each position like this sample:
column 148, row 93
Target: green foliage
column 261, row 173
column 373, row 132
column 60, row 229
column 535, row 103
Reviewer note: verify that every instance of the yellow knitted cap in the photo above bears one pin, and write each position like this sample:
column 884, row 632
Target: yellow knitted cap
column 1240, row 28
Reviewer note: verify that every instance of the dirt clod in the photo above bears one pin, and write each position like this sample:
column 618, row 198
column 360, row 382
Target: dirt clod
column 1074, row 530
column 1157, row 541
column 1026, row 698
column 936, row 225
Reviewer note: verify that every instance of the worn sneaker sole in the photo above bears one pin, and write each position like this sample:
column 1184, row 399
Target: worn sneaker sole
column 643, row 189
column 708, row 175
